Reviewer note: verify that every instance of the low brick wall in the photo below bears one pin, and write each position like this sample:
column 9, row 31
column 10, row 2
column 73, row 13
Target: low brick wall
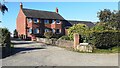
column 64, row 43
column 59, row 42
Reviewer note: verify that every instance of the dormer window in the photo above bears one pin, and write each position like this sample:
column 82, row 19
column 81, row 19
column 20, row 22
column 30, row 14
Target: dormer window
column 46, row 21
column 29, row 20
column 58, row 21
column 35, row 20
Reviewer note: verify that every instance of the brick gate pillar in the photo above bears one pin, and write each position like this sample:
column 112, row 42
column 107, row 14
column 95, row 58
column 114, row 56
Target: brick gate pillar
column 76, row 40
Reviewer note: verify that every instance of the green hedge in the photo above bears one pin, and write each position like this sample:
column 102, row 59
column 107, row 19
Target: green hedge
column 4, row 37
column 105, row 39
column 5, row 42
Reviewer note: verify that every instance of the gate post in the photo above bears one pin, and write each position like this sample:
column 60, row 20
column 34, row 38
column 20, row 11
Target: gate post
column 76, row 40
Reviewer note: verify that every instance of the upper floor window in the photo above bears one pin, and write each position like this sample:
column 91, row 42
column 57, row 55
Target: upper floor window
column 46, row 21
column 36, row 31
column 35, row 20
column 53, row 21
column 29, row 20
column 57, row 21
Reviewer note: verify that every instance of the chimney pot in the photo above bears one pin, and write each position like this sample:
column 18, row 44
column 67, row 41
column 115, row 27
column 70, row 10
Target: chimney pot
column 21, row 5
column 56, row 10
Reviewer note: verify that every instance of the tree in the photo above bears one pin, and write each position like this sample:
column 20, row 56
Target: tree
column 82, row 29
column 104, row 15
column 15, row 34
column 110, row 18
column 3, row 8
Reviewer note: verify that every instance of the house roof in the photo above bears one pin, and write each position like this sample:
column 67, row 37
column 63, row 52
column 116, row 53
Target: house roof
column 88, row 23
column 41, row 14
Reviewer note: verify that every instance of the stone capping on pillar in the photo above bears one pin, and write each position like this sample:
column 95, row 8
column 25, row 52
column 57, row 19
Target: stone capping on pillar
column 76, row 40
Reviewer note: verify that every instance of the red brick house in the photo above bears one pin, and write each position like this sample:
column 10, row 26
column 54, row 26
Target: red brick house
column 31, row 23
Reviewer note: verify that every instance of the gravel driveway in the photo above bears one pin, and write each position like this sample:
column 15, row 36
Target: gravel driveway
column 38, row 54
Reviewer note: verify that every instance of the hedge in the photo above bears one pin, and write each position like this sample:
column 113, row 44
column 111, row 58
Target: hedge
column 105, row 39
column 5, row 42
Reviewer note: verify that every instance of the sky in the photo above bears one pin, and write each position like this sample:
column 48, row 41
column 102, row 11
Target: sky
column 82, row 11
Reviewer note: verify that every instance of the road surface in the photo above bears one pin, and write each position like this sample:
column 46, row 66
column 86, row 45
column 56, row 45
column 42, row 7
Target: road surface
column 38, row 54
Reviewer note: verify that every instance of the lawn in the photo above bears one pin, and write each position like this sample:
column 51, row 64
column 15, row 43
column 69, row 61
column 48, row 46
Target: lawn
column 112, row 50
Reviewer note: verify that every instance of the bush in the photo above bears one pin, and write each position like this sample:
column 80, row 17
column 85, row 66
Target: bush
column 105, row 39
column 48, row 34
column 65, row 38
column 15, row 35
column 57, row 36
column 5, row 42
column 81, row 29
column 4, row 37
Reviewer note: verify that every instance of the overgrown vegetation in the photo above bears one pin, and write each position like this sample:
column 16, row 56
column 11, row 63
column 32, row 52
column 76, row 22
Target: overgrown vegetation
column 4, row 37
column 105, row 35
column 82, row 29
column 105, row 39
column 15, row 34
column 65, row 37
column 5, row 42
column 48, row 34
column 115, row 49
column 111, row 18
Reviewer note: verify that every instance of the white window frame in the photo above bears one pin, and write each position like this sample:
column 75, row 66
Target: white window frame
column 36, row 31
column 46, row 21
column 53, row 21
column 46, row 30
column 37, row 20
column 53, row 30
column 29, row 20
column 30, row 30
column 57, row 21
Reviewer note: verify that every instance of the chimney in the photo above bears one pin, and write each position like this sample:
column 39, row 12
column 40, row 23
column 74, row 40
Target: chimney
column 21, row 5
column 56, row 10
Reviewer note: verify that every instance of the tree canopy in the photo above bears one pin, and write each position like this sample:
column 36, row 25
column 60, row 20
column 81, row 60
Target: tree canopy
column 111, row 18
column 3, row 8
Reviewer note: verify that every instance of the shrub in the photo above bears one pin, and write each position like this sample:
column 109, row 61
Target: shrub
column 65, row 38
column 48, row 34
column 5, row 42
column 105, row 39
column 4, row 37
column 82, row 29
column 15, row 35
column 57, row 36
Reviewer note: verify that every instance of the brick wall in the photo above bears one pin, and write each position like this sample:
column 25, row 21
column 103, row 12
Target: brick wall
column 62, row 43
column 21, row 23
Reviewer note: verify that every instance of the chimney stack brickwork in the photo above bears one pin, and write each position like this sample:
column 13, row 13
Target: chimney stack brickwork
column 56, row 10
column 21, row 5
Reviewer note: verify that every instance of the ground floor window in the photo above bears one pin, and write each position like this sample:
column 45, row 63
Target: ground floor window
column 36, row 31
column 46, row 30
column 30, row 30
column 53, row 30
column 57, row 31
